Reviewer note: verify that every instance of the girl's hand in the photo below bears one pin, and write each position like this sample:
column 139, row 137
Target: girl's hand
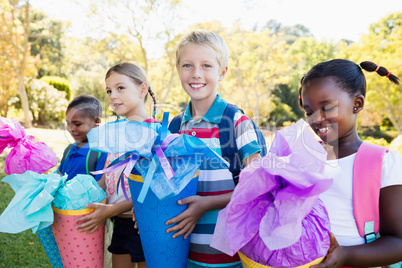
column 134, row 220
column 91, row 222
column 334, row 257
column 186, row 221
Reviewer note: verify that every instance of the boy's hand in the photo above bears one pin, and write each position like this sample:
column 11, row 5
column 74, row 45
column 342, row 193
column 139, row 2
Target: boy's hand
column 186, row 221
column 334, row 257
column 91, row 222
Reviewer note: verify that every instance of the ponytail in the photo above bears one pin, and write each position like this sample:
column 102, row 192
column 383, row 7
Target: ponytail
column 370, row 66
column 152, row 94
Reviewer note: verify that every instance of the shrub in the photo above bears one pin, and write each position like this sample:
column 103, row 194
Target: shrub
column 380, row 141
column 47, row 104
column 60, row 83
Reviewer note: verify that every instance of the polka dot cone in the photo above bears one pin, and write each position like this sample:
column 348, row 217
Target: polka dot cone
column 78, row 249
column 48, row 241
column 160, row 249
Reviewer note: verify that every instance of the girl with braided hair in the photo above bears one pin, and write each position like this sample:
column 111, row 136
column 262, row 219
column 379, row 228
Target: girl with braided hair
column 332, row 94
column 127, row 88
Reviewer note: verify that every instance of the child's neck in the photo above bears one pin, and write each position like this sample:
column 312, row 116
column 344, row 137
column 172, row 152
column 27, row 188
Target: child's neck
column 200, row 108
column 342, row 148
column 139, row 117
column 80, row 144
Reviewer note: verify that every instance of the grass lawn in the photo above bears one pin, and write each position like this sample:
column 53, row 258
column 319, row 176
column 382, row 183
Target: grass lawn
column 24, row 249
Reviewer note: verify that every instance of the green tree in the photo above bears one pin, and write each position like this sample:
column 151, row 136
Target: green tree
column 381, row 45
column 139, row 27
column 47, row 38
column 288, row 33
column 15, row 28
column 255, row 70
column 86, row 66
column 8, row 81
column 303, row 54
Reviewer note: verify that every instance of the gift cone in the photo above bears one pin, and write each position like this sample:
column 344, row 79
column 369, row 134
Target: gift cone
column 160, row 249
column 48, row 241
column 77, row 249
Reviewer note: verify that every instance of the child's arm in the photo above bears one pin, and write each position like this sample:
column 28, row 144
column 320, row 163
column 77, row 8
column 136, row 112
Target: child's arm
column 197, row 206
column 101, row 164
column 102, row 212
column 385, row 250
column 102, row 182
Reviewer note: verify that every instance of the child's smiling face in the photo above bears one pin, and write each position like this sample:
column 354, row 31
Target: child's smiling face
column 329, row 109
column 125, row 96
column 79, row 124
column 199, row 72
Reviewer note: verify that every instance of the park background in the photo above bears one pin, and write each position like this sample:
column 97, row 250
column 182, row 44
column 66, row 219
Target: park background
column 52, row 51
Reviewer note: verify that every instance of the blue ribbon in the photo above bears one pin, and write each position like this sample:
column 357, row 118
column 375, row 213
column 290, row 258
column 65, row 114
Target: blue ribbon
column 160, row 157
column 128, row 160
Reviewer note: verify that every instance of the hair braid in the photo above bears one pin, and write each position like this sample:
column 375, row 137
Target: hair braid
column 382, row 71
column 154, row 101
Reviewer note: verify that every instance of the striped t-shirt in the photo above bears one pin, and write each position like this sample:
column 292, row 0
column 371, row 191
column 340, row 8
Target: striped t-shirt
column 215, row 179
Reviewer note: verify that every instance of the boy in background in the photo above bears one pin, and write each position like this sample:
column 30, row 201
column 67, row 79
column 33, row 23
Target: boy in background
column 202, row 62
column 83, row 113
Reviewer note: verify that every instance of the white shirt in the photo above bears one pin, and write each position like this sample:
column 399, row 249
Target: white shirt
column 338, row 199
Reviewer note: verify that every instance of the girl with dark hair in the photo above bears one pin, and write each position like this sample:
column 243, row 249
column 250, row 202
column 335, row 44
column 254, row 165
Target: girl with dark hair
column 332, row 94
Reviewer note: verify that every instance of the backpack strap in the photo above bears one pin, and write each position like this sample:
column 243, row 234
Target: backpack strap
column 91, row 161
column 367, row 170
column 227, row 140
column 65, row 154
column 174, row 125
column 67, row 151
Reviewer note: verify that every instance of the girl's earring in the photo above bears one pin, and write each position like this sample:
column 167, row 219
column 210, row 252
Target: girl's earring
column 355, row 109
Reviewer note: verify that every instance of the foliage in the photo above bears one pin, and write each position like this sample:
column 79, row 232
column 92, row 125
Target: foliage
column 288, row 33
column 14, row 33
column 376, row 133
column 382, row 46
column 396, row 144
column 91, row 82
column 280, row 113
column 47, row 104
column 255, row 70
column 46, row 38
column 8, row 87
column 304, row 53
column 380, row 141
column 87, row 65
column 59, row 83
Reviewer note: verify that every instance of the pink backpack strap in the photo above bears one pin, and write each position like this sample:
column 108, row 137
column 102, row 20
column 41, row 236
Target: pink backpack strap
column 367, row 170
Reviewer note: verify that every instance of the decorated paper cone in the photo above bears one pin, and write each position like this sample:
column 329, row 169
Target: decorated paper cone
column 160, row 249
column 77, row 249
column 48, row 241
column 248, row 263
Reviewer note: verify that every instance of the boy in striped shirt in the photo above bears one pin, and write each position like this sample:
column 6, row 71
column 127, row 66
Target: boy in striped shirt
column 201, row 62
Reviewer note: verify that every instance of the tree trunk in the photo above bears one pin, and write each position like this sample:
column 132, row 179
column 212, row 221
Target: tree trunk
column 24, row 100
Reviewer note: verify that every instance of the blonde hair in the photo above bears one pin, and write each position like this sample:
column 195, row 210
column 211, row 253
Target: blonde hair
column 206, row 38
column 137, row 74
